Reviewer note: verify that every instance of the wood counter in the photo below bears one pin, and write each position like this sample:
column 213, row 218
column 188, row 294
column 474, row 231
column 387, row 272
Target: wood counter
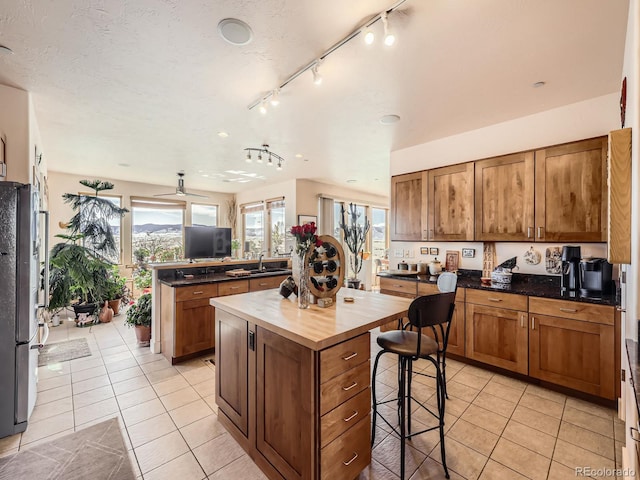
column 293, row 385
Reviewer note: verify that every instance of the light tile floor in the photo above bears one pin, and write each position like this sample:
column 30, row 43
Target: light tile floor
column 497, row 427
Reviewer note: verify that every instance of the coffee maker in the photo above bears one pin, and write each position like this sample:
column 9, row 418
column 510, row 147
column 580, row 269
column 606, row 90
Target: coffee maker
column 570, row 275
column 595, row 277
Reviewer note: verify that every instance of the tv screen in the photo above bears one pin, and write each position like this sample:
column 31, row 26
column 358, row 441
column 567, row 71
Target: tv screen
column 207, row 242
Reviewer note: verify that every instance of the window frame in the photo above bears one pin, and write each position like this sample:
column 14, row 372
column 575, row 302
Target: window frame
column 216, row 206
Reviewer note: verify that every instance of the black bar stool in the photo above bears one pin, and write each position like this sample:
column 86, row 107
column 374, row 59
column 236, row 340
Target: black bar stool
column 435, row 312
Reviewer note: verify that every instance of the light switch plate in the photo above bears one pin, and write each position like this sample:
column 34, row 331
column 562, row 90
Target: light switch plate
column 398, row 253
column 407, row 253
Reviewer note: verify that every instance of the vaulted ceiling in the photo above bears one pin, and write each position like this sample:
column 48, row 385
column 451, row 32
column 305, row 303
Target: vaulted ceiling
column 139, row 89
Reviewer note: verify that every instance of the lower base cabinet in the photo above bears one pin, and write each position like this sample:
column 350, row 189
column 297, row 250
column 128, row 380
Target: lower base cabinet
column 194, row 332
column 299, row 413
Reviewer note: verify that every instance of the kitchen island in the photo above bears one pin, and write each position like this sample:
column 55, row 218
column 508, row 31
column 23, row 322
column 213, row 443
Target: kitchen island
column 292, row 385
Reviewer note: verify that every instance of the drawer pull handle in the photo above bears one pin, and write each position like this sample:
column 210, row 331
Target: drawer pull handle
column 199, row 292
column 533, row 323
column 397, row 285
column 351, row 417
column 234, row 288
column 494, row 299
column 264, row 284
column 568, row 310
column 346, row 464
column 353, row 355
column 353, row 385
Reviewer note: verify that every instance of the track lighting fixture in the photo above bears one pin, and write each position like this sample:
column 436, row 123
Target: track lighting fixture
column 317, row 78
column 368, row 36
column 389, row 37
column 266, row 151
column 275, row 97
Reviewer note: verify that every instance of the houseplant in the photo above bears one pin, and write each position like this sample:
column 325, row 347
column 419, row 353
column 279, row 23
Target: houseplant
column 139, row 316
column 354, row 235
column 116, row 289
column 80, row 265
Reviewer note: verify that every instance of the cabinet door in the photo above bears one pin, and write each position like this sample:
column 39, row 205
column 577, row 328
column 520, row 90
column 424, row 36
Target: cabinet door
column 573, row 353
column 450, row 204
column 409, row 206
column 571, row 192
column 619, row 197
column 497, row 336
column 285, row 405
column 232, row 372
column 195, row 326
column 505, row 198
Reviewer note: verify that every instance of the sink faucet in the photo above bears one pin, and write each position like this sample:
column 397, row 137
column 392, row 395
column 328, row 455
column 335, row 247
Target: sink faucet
column 260, row 267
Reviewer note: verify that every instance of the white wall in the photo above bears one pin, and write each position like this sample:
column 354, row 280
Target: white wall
column 14, row 124
column 60, row 183
column 309, row 190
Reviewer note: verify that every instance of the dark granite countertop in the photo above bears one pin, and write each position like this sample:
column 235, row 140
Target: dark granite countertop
column 634, row 368
column 218, row 277
column 547, row 286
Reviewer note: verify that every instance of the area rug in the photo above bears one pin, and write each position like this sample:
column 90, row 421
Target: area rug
column 63, row 351
column 96, row 453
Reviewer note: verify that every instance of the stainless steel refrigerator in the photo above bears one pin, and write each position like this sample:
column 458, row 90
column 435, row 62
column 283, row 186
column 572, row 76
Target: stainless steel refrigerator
column 20, row 250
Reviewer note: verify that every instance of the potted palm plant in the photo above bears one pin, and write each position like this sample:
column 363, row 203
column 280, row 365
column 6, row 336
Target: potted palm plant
column 139, row 316
column 80, row 265
column 355, row 235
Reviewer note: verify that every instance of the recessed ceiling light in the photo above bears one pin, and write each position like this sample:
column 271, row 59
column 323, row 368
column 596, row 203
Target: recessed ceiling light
column 124, row 165
column 223, row 134
column 539, row 84
column 205, row 175
column 235, row 31
column 351, row 180
column 6, row 50
column 298, row 155
column 389, row 119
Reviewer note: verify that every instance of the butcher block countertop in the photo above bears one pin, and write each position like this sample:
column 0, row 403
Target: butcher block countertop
column 315, row 327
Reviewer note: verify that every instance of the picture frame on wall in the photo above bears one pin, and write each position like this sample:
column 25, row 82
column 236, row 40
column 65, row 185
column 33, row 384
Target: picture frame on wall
column 451, row 262
column 424, row 250
column 304, row 219
column 434, row 251
column 468, row 252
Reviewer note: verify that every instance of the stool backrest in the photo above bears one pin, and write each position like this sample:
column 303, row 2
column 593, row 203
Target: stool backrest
column 447, row 282
column 433, row 311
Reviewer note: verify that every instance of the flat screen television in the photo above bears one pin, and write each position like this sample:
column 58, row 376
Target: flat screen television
column 207, row 242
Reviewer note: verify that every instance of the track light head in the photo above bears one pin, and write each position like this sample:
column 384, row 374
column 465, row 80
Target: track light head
column 368, row 35
column 389, row 37
column 275, row 97
column 279, row 167
column 259, row 157
column 317, row 78
column 248, row 159
column 263, row 108
column 270, row 162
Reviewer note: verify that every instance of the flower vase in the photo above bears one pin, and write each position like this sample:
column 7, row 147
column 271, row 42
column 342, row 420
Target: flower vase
column 303, row 282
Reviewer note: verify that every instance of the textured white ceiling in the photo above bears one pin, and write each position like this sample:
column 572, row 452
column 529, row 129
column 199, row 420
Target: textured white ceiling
column 150, row 83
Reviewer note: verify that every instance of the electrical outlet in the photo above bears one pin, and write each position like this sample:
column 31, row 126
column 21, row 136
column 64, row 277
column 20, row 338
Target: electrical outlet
column 407, row 253
column 397, row 253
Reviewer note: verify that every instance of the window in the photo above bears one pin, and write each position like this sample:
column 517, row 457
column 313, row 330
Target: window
column 115, row 224
column 337, row 220
column 275, row 212
column 253, row 228
column 379, row 232
column 156, row 230
column 204, row 215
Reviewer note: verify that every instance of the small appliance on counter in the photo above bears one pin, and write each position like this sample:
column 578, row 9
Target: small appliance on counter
column 570, row 280
column 595, row 277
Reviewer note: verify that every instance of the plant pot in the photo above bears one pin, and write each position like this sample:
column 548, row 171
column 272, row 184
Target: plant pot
column 88, row 308
column 55, row 320
column 143, row 334
column 115, row 306
column 353, row 283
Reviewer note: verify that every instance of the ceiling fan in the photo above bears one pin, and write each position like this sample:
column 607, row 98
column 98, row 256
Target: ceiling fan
column 180, row 190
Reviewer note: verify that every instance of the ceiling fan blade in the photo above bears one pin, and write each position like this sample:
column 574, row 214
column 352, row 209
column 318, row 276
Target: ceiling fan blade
column 195, row 195
column 165, row 194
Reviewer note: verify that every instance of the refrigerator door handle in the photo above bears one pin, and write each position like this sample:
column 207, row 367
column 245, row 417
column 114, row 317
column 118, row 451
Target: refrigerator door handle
column 45, row 303
column 44, row 338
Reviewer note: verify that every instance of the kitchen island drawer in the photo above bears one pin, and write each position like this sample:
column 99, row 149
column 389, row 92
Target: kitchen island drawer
column 344, row 416
column 348, row 454
column 344, row 356
column 265, row 283
column 341, row 388
column 203, row 290
column 407, row 287
column 587, row 312
column 232, row 288
column 509, row 301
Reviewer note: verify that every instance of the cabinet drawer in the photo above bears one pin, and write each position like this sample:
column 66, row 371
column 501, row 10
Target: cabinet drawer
column 265, row 283
column 348, row 454
column 432, row 289
column 400, row 286
column 587, row 312
column 344, row 356
column 344, row 416
column 494, row 299
column 204, row 290
column 231, row 288
column 341, row 388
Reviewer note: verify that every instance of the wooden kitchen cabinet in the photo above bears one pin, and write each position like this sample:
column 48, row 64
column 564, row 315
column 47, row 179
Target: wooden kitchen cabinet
column 456, row 332
column 496, row 329
column 619, row 197
column 450, row 203
column 571, row 192
column 408, row 219
column 572, row 344
column 195, row 327
column 504, row 198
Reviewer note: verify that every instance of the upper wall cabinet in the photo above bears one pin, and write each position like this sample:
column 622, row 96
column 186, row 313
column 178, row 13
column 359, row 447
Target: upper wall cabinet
column 571, row 192
column 409, row 207
column 450, row 206
column 504, row 198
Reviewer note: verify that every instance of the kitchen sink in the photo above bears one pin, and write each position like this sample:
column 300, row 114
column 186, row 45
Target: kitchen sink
column 269, row 270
